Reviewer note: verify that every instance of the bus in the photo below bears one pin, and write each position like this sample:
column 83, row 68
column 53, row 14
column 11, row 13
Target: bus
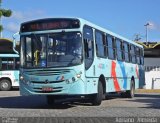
column 61, row 57
column 151, row 64
column 9, row 71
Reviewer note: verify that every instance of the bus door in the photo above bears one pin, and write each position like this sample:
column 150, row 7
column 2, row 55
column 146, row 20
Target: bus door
column 89, row 50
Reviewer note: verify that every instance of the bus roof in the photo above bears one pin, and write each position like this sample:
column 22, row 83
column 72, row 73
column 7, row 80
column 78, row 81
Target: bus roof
column 9, row 55
column 85, row 22
column 107, row 31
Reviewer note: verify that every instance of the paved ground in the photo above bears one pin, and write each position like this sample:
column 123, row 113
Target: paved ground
column 143, row 105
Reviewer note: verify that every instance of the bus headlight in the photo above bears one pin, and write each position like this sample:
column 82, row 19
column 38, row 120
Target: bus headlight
column 21, row 78
column 78, row 75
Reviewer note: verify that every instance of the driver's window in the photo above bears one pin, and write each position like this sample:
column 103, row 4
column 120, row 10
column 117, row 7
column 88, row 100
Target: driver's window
column 88, row 46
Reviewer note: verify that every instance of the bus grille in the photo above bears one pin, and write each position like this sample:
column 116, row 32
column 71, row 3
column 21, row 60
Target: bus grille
column 49, row 82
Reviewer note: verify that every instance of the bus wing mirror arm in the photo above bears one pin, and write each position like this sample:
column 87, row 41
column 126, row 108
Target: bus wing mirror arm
column 14, row 42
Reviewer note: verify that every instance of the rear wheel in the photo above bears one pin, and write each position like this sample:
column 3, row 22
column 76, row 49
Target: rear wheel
column 129, row 93
column 50, row 100
column 97, row 98
column 5, row 85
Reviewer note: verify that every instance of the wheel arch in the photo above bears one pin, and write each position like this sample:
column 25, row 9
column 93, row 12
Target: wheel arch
column 7, row 78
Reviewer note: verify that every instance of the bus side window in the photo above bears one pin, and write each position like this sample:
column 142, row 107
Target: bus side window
column 141, row 57
column 10, row 64
column 17, row 64
column 119, row 50
column 4, row 63
column 88, row 46
column 126, row 51
column 138, row 55
column 132, row 54
column 111, row 49
column 101, row 44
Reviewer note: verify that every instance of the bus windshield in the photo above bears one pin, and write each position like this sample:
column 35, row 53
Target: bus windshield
column 51, row 50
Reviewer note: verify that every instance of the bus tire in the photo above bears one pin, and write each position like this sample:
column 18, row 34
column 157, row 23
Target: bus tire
column 5, row 85
column 97, row 98
column 129, row 93
column 50, row 100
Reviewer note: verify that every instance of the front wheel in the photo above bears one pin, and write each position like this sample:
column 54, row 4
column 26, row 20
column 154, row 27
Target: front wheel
column 97, row 98
column 5, row 85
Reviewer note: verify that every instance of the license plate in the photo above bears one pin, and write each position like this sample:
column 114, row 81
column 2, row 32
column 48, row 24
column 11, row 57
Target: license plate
column 47, row 89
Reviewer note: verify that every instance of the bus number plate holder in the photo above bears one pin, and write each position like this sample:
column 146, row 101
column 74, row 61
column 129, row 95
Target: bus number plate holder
column 47, row 89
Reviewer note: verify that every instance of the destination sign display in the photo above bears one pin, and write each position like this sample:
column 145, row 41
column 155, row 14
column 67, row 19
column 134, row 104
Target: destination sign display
column 50, row 24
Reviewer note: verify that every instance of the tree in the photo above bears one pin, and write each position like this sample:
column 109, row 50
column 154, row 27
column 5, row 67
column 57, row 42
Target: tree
column 5, row 13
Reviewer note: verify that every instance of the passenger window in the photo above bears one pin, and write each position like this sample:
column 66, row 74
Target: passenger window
column 119, row 50
column 138, row 55
column 101, row 44
column 126, row 51
column 132, row 54
column 111, row 49
column 141, row 57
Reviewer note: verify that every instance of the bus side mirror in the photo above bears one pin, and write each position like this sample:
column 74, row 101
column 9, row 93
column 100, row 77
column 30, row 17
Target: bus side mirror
column 15, row 42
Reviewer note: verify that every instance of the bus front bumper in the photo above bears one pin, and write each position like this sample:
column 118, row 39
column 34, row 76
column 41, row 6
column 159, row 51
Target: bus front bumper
column 76, row 88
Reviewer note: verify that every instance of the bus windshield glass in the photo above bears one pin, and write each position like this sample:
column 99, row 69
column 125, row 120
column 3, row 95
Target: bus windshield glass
column 51, row 50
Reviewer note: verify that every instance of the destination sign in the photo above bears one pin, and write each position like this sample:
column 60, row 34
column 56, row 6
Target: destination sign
column 50, row 24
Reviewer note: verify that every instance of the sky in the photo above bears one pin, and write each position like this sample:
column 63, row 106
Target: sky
column 124, row 17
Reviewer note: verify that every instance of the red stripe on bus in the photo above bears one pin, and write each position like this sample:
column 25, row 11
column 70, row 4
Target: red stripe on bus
column 113, row 74
column 137, row 71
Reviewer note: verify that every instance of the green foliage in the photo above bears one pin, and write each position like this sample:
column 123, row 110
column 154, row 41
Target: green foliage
column 1, row 14
column 1, row 28
column 6, row 13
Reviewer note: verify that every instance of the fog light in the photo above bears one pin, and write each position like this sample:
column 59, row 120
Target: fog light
column 67, row 81
column 73, row 79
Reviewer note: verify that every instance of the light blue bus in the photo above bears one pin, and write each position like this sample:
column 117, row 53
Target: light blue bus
column 9, row 71
column 63, row 57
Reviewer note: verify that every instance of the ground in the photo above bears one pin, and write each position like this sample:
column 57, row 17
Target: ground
column 143, row 105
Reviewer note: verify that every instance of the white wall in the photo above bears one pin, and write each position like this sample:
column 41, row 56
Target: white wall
column 152, row 73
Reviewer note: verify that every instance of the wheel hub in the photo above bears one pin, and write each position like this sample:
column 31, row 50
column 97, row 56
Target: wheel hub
column 4, row 85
